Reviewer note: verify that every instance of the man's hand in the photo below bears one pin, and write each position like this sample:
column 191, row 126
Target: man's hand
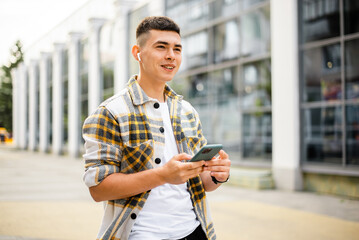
column 177, row 171
column 217, row 167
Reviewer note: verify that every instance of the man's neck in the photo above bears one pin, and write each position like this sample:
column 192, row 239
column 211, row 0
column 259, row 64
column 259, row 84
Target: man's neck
column 152, row 89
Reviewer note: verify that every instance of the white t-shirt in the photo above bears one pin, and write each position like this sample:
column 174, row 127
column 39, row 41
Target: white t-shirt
column 168, row 212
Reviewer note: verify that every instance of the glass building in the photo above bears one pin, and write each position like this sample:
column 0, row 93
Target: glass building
column 276, row 82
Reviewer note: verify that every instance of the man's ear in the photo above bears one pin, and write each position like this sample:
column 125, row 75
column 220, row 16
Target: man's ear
column 135, row 52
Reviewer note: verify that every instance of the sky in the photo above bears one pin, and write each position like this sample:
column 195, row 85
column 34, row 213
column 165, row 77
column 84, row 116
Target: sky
column 29, row 20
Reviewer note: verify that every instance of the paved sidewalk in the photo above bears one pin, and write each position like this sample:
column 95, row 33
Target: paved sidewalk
column 42, row 197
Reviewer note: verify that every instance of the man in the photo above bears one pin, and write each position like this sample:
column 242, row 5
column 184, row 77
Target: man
column 138, row 144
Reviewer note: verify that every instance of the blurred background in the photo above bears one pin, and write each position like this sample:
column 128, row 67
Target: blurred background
column 275, row 81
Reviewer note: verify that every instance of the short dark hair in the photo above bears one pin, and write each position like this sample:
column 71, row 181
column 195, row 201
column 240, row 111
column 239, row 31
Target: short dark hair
column 161, row 23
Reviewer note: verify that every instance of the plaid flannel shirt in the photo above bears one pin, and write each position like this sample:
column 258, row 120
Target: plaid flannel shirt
column 123, row 135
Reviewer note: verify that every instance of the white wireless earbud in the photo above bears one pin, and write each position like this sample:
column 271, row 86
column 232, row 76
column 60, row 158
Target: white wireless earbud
column 138, row 56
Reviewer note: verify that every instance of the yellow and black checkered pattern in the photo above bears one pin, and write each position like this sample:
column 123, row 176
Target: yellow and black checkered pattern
column 123, row 135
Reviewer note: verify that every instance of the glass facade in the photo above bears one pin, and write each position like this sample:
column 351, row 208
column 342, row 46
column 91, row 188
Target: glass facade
column 329, row 79
column 226, row 72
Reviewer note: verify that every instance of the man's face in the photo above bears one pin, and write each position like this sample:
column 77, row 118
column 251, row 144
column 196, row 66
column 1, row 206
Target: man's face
column 161, row 55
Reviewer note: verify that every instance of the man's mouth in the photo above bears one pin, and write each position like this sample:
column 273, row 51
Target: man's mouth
column 169, row 67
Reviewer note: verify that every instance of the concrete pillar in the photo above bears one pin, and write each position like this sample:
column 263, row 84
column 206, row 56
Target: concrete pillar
column 57, row 99
column 33, row 105
column 285, row 95
column 15, row 106
column 74, row 95
column 44, row 102
column 121, row 44
column 95, row 78
column 23, row 105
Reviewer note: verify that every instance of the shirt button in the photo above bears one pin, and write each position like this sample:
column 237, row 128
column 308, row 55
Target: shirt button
column 158, row 160
column 156, row 105
column 133, row 216
column 162, row 130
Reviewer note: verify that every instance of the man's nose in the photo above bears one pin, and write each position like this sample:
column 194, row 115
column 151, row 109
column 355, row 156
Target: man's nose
column 170, row 55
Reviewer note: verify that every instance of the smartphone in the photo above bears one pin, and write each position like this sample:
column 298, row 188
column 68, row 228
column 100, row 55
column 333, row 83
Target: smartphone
column 207, row 152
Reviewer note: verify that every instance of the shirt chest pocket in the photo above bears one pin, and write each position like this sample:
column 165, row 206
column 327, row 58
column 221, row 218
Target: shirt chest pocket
column 136, row 158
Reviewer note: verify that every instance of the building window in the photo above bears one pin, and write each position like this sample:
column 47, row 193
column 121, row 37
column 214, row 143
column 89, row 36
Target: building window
column 321, row 19
column 322, row 73
column 257, row 136
column 224, row 8
column 256, row 107
column 225, row 84
column 189, row 14
column 196, row 50
column 352, row 133
column 330, row 82
column 352, row 69
column 246, row 4
column 351, row 16
column 323, row 134
column 226, row 41
column 255, row 32
column 257, row 89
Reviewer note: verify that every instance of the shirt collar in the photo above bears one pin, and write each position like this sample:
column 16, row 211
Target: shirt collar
column 139, row 96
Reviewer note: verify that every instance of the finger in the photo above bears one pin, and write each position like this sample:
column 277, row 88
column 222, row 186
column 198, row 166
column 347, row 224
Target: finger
column 193, row 165
column 218, row 162
column 182, row 156
column 217, row 169
column 194, row 172
column 223, row 154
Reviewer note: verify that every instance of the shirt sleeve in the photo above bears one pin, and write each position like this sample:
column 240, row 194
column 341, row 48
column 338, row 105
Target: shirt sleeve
column 102, row 156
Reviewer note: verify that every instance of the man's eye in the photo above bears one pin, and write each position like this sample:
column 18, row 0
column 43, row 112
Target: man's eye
column 178, row 49
column 160, row 46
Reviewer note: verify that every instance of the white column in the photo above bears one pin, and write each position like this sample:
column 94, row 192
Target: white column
column 15, row 106
column 74, row 95
column 57, row 99
column 44, row 102
column 121, row 44
column 95, row 78
column 33, row 105
column 23, row 117
column 285, row 95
